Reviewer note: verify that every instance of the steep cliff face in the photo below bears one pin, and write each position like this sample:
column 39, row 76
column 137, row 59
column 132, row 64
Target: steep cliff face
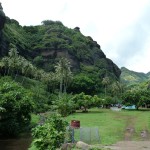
column 2, row 17
column 2, row 22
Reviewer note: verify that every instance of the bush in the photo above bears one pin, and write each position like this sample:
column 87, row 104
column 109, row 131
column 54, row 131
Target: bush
column 51, row 134
column 83, row 101
column 64, row 105
column 18, row 105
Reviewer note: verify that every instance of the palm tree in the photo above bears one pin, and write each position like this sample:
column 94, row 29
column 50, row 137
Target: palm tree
column 25, row 68
column 28, row 70
column 115, row 88
column 106, row 82
column 38, row 74
column 13, row 60
column 13, row 53
column 63, row 73
column 5, row 64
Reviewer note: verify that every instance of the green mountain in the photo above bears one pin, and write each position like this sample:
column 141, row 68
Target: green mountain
column 45, row 44
column 148, row 74
column 131, row 77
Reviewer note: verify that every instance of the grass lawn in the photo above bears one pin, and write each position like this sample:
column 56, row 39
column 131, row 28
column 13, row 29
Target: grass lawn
column 112, row 124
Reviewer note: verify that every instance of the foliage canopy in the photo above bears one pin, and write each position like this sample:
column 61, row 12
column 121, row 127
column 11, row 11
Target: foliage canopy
column 18, row 105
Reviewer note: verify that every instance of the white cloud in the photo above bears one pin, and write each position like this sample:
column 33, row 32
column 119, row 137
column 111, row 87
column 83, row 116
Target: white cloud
column 110, row 22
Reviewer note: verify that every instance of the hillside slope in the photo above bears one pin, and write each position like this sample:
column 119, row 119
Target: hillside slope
column 55, row 40
column 45, row 44
column 131, row 77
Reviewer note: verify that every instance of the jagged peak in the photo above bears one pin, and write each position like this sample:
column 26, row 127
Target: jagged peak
column 77, row 29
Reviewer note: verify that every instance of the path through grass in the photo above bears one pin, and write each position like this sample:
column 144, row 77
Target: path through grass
column 113, row 124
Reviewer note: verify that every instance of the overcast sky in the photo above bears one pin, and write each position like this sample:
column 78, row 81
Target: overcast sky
column 121, row 27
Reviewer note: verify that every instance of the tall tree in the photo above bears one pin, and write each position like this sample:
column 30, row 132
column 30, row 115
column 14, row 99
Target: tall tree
column 12, row 62
column 136, row 97
column 5, row 65
column 63, row 73
column 17, row 104
column 106, row 82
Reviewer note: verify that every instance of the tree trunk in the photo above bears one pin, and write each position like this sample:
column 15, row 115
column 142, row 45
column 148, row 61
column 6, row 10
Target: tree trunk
column 61, row 86
column 105, row 91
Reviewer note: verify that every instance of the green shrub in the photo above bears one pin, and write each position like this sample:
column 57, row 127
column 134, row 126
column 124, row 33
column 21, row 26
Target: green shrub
column 51, row 134
column 18, row 105
column 65, row 104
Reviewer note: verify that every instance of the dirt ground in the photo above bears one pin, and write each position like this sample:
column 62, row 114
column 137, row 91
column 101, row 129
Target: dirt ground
column 129, row 143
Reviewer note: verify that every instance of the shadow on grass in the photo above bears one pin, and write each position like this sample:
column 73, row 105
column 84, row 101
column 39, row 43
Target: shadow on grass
column 144, row 109
column 93, row 111
column 140, row 109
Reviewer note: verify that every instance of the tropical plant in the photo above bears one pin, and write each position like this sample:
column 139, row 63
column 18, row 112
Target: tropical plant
column 107, row 101
column 18, row 105
column 51, row 134
column 63, row 73
column 82, row 83
column 65, row 104
column 83, row 101
column 136, row 97
column 96, row 101
column 116, row 90
column 106, row 82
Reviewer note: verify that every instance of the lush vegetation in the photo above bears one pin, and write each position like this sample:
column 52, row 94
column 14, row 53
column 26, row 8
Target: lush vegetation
column 137, row 98
column 131, row 77
column 17, row 103
column 51, row 68
column 45, row 44
column 51, row 134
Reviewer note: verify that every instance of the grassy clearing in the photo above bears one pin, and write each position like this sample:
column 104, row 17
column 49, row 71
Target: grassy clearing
column 112, row 124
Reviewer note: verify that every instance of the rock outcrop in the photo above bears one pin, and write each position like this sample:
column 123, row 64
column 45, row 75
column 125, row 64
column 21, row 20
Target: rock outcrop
column 2, row 22
column 2, row 17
